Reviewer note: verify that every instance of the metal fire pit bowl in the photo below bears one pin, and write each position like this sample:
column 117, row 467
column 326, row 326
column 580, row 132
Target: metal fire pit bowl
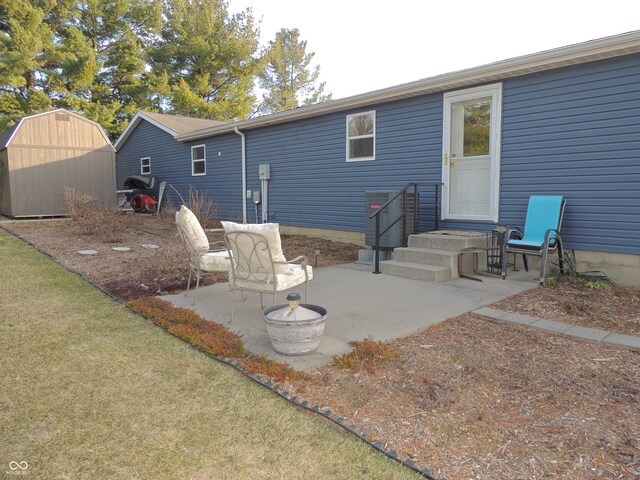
column 295, row 329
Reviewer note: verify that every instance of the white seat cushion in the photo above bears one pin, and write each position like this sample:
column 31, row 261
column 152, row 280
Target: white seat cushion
column 283, row 281
column 271, row 231
column 215, row 262
column 188, row 221
column 296, row 277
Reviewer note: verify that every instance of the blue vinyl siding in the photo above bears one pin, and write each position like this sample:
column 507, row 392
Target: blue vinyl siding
column 223, row 181
column 576, row 131
column 313, row 185
column 573, row 131
column 171, row 161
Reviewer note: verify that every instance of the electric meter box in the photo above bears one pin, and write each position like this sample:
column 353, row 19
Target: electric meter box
column 264, row 171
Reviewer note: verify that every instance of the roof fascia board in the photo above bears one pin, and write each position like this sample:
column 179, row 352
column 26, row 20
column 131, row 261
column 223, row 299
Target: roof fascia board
column 592, row 50
column 137, row 118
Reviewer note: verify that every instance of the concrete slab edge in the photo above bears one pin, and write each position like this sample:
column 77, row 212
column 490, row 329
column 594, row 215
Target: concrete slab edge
column 566, row 329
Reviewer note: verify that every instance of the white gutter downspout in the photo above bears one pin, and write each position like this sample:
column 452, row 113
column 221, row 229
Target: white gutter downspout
column 244, row 175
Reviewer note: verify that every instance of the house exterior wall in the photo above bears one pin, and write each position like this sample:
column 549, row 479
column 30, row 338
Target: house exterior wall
column 171, row 162
column 576, row 131
column 51, row 152
column 169, row 159
column 312, row 184
column 573, row 131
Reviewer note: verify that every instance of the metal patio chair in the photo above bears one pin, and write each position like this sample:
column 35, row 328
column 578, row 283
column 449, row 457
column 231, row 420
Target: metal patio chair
column 204, row 257
column 541, row 234
column 258, row 265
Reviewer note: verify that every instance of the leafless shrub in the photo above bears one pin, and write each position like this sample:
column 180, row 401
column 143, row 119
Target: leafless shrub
column 108, row 224
column 204, row 208
column 167, row 214
column 78, row 205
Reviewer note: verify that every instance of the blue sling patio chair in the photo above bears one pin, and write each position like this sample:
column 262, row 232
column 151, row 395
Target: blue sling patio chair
column 541, row 234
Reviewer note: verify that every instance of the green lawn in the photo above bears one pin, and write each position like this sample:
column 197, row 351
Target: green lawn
column 90, row 390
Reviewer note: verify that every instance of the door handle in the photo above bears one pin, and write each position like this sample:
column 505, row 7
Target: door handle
column 453, row 163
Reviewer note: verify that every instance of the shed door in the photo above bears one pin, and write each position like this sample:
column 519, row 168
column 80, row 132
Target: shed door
column 471, row 154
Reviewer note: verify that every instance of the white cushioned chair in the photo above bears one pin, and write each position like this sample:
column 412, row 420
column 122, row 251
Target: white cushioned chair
column 258, row 264
column 203, row 256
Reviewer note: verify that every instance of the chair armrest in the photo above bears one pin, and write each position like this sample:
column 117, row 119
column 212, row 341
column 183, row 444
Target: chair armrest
column 302, row 259
column 547, row 236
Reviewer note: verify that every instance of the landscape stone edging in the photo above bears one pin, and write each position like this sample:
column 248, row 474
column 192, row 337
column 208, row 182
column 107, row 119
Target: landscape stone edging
column 566, row 329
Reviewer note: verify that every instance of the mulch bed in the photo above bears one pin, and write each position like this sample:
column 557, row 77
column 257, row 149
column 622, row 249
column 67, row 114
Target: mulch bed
column 468, row 398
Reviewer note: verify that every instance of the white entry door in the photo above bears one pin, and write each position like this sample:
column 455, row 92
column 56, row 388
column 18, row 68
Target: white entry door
column 471, row 153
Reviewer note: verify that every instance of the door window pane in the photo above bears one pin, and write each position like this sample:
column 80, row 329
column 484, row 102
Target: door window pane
column 477, row 121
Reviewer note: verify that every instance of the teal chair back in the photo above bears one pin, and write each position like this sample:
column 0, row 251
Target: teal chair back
column 543, row 213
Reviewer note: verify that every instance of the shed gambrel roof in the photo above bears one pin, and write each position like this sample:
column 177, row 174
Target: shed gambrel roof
column 8, row 134
column 593, row 50
column 172, row 124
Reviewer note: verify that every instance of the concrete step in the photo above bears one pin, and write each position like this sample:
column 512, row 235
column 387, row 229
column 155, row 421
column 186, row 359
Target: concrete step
column 446, row 242
column 416, row 271
column 428, row 256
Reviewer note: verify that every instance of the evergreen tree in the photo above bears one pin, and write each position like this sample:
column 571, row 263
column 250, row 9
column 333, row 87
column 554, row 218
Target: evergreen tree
column 25, row 45
column 87, row 56
column 208, row 60
column 101, row 58
column 287, row 79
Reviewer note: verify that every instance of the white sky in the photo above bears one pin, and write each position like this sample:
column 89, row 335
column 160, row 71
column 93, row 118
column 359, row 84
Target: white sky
column 365, row 45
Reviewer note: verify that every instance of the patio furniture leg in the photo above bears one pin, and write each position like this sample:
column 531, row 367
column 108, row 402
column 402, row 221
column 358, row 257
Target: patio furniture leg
column 233, row 304
column 524, row 260
column 189, row 281
column 504, row 260
column 195, row 294
column 560, row 255
column 261, row 302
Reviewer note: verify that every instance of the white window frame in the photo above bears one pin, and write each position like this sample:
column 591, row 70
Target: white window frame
column 148, row 166
column 203, row 159
column 373, row 135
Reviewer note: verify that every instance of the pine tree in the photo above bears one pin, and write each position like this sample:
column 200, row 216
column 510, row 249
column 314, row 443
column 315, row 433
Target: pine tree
column 101, row 50
column 287, row 79
column 209, row 59
column 25, row 46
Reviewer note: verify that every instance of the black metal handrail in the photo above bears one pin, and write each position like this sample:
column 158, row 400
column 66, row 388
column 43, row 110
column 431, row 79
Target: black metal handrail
column 403, row 214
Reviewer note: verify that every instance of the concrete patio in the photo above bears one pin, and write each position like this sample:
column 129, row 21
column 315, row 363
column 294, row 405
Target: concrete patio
column 359, row 304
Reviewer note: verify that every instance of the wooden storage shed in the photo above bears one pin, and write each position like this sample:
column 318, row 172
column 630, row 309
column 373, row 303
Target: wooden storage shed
column 43, row 154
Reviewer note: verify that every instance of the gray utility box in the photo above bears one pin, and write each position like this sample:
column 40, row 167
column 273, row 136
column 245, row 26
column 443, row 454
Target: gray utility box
column 395, row 236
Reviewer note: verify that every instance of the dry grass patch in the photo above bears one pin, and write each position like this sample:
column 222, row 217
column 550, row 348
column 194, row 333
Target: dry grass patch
column 91, row 390
column 366, row 355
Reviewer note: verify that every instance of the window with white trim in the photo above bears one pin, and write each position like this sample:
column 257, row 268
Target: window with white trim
column 198, row 160
column 361, row 136
column 145, row 166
